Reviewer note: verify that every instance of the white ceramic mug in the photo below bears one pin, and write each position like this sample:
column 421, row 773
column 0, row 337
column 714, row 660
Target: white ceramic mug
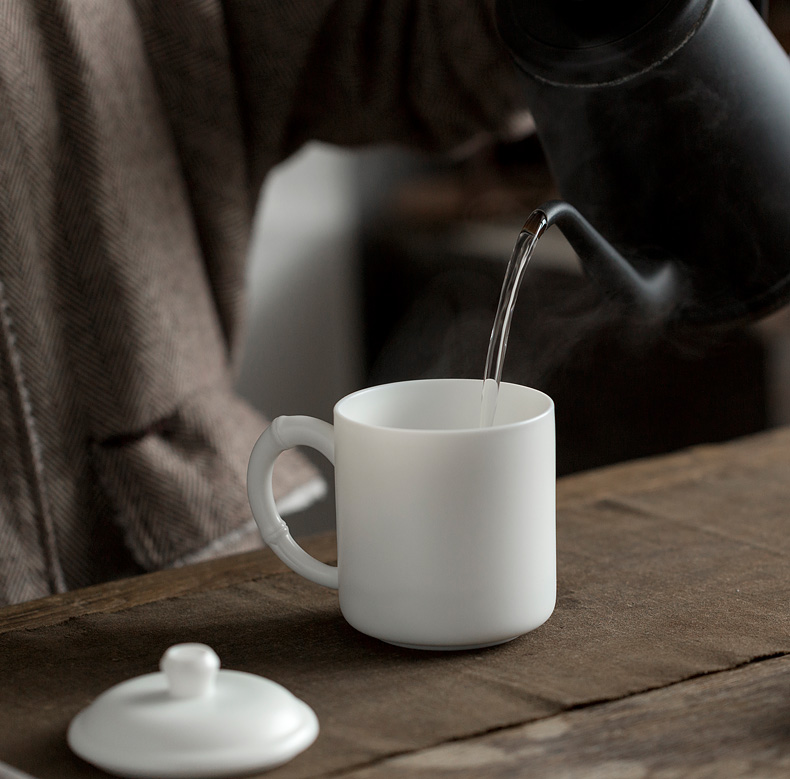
column 445, row 529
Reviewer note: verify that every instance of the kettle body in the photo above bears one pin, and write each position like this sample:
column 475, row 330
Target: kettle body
column 667, row 125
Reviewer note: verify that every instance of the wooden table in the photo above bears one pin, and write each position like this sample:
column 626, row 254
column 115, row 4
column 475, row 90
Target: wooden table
column 667, row 655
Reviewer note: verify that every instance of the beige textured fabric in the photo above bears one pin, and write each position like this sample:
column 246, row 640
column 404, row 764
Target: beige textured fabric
column 134, row 139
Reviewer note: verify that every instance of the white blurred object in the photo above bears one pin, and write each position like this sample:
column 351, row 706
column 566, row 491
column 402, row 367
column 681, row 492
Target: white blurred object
column 192, row 719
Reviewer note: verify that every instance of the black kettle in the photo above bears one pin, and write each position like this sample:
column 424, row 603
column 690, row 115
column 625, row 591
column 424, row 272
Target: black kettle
column 666, row 125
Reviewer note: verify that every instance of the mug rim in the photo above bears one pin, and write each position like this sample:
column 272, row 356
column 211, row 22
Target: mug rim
column 531, row 420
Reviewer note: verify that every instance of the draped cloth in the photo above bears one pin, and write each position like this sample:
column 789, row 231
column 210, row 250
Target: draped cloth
column 134, row 140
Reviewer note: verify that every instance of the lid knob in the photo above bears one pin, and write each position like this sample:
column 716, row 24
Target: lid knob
column 191, row 670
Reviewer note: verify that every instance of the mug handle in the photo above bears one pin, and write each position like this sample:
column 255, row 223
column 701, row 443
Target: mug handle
column 286, row 432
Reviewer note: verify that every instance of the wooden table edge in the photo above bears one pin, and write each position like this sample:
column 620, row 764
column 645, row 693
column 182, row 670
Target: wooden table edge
column 122, row 594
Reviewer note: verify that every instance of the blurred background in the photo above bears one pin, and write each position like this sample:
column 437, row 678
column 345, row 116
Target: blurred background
column 381, row 265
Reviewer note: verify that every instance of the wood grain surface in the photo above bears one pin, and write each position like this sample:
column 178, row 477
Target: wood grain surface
column 667, row 654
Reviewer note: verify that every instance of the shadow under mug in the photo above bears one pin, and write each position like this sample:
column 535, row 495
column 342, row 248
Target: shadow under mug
column 446, row 530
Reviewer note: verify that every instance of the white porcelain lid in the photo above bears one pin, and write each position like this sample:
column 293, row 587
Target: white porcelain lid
column 192, row 720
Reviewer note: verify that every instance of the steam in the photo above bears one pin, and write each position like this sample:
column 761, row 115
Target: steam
column 559, row 322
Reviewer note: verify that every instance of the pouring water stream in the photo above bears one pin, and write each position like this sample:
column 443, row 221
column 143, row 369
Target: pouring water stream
column 526, row 242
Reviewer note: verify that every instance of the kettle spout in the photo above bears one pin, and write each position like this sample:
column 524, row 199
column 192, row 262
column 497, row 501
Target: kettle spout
column 654, row 297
